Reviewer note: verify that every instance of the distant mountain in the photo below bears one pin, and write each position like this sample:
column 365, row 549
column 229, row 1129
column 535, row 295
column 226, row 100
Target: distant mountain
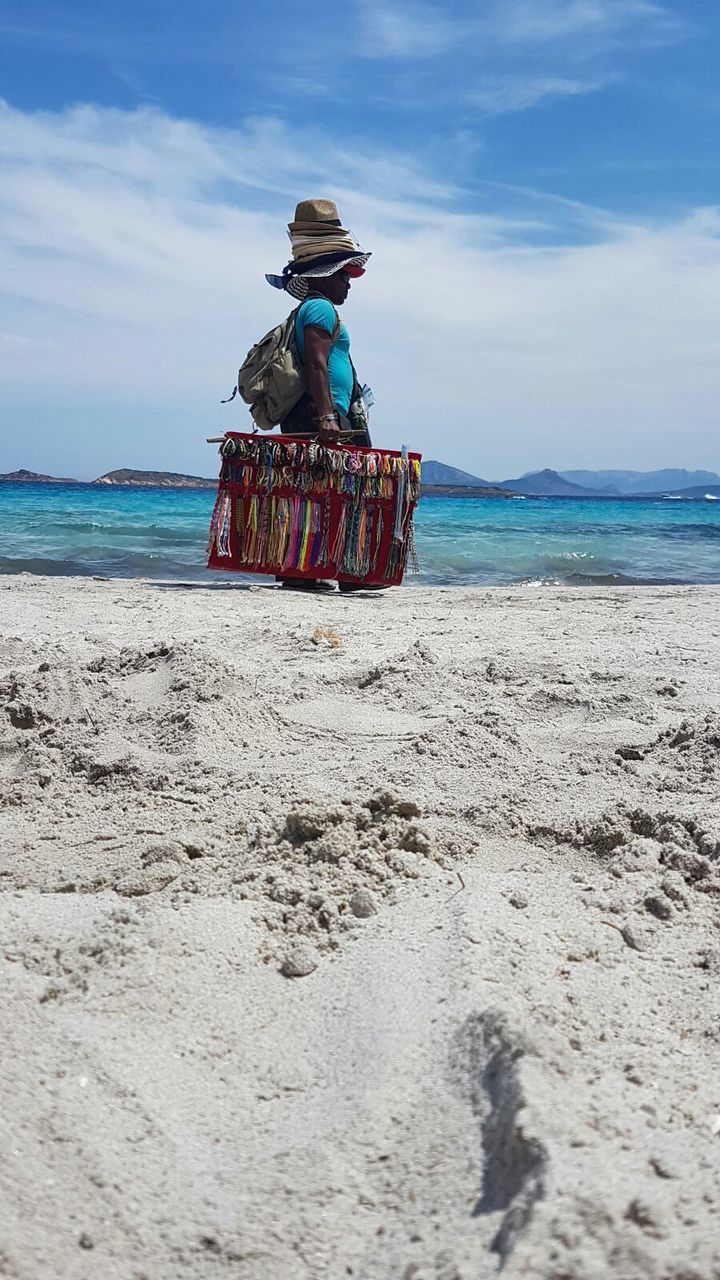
column 33, row 477
column 674, row 478
column 547, row 484
column 437, row 475
column 155, row 479
column 440, row 473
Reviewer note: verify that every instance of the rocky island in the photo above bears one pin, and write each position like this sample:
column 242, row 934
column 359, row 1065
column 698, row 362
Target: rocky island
column 33, row 477
column 127, row 478
column 155, row 479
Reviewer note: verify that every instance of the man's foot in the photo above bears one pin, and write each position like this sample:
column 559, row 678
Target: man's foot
column 361, row 586
column 304, row 584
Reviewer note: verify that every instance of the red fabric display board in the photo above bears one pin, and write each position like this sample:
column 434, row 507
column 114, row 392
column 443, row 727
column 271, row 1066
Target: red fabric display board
column 311, row 510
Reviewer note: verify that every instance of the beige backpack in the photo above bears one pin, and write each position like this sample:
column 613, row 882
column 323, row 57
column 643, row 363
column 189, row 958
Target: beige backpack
column 271, row 379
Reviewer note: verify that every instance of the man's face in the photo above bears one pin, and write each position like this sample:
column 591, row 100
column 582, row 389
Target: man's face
column 337, row 287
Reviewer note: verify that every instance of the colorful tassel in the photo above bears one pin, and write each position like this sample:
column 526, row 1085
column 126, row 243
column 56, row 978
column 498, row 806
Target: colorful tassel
column 339, row 539
column 220, row 524
column 251, row 525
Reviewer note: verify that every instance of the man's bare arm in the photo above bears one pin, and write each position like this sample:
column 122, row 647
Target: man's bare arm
column 317, row 351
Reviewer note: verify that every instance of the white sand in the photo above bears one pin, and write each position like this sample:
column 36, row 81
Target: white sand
column 507, row 1060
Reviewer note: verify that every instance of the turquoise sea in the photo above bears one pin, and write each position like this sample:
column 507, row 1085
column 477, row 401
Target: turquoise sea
column 162, row 533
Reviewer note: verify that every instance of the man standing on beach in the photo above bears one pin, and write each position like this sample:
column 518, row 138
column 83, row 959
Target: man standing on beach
column 325, row 259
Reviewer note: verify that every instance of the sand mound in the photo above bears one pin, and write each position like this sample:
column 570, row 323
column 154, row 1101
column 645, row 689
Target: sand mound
column 140, row 795
column 321, row 870
column 658, row 869
column 684, row 757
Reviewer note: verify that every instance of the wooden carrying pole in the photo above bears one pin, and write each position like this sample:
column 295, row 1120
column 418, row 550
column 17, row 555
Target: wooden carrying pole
column 296, row 435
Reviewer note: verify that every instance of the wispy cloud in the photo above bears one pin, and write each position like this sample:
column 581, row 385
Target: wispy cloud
column 415, row 29
column 406, row 30
column 132, row 253
column 542, row 21
column 159, row 153
column 497, row 97
column 511, row 55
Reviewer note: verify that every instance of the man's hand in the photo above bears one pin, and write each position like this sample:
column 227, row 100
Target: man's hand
column 329, row 431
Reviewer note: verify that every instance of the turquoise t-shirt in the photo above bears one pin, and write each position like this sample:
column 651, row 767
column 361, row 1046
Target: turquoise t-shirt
column 320, row 312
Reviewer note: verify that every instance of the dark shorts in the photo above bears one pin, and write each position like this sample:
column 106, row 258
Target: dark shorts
column 300, row 419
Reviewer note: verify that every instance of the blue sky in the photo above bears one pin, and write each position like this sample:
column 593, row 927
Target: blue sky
column 537, row 180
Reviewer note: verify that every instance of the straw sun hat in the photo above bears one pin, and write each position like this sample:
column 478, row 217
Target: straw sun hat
column 320, row 247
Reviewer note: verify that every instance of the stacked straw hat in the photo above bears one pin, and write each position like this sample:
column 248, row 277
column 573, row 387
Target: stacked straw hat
column 320, row 247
